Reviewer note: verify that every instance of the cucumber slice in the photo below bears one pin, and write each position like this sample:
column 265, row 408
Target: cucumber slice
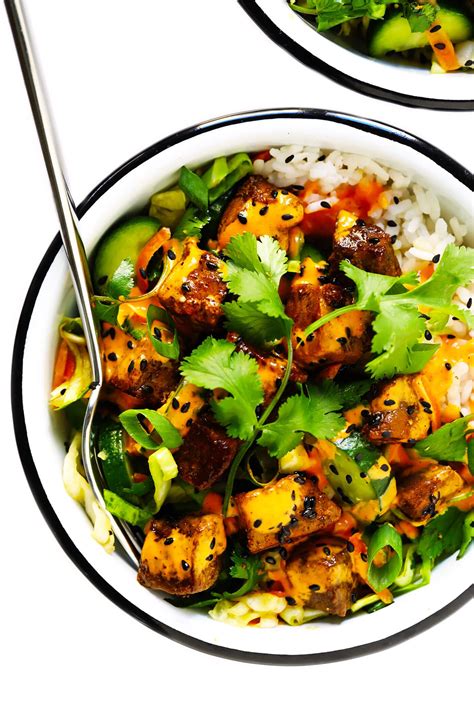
column 394, row 34
column 122, row 242
column 115, row 464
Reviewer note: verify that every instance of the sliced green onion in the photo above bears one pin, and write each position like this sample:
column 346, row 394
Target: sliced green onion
column 124, row 510
column 163, row 469
column 168, row 207
column 407, row 574
column 382, row 577
column 78, row 384
column 216, row 173
column 168, row 434
column 239, row 166
column 194, row 188
column 169, row 350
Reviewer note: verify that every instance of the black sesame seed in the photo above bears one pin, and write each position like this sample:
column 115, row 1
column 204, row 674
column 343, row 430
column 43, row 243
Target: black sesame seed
column 274, row 194
column 353, row 597
column 396, row 200
column 290, row 601
column 131, row 366
column 185, row 288
column 326, row 550
column 63, row 392
column 435, row 28
column 436, row 258
column 242, row 218
column 374, row 240
column 362, row 474
column 175, row 403
column 300, row 478
column 257, row 523
column 385, row 467
column 450, row 336
column 333, row 469
column 448, row 365
column 285, row 192
column 365, row 413
column 130, row 345
column 411, row 409
column 184, row 565
column 386, row 434
column 469, row 63
column 171, row 255
column 424, row 403
column 469, row 303
column 270, row 560
column 363, row 556
column 428, row 335
column 211, row 266
column 157, row 333
column 393, row 238
column 189, row 422
column 213, row 543
column 143, row 364
column 287, row 217
column 185, row 407
column 263, row 211
column 389, row 402
column 342, row 340
column 391, row 223
column 321, row 157
column 351, row 428
column 440, row 45
column 326, row 205
column 289, row 159
column 360, row 223
column 210, row 557
column 297, row 188
column 350, row 547
column 411, row 441
column 283, row 553
column 314, row 587
column 348, row 478
column 112, row 356
column 169, row 541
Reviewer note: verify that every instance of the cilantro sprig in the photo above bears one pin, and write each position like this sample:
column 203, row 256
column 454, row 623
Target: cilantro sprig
column 448, row 443
column 314, row 411
column 399, row 325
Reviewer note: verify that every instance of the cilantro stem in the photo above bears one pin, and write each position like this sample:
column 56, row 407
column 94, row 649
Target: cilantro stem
column 249, row 443
column 329, row 316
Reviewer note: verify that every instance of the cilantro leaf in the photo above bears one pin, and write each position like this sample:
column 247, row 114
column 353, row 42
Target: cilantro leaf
column 215, row 364
column 442, row 536
column 371, row 287
column 467, row 533
column 448, row 443
column 254, row 270
column 313, row 413
column 105, row 311
column 194, row 188
column 122, row 281
column 257, row 326
column 397, row 331
column 420, row 17
column 351, row 393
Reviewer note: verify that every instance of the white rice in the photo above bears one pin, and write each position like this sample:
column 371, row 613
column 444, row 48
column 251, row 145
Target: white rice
column 412, row 214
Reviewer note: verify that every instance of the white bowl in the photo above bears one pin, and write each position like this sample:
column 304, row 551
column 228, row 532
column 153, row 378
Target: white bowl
column 40, row 443
column 382, row 79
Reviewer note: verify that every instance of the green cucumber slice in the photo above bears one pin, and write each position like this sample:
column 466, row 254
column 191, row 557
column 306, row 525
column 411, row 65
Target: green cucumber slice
column 121, row 242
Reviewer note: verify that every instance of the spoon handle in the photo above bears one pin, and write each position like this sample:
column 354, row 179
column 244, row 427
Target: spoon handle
column 76, row 257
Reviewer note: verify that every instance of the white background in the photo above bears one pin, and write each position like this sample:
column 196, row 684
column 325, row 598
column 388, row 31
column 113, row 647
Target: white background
column 120, row 75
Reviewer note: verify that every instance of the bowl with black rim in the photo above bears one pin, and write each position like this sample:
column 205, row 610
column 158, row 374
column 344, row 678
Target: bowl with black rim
column 386, row 78
column 41, row 444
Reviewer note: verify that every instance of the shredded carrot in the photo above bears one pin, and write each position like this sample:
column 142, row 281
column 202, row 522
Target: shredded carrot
column 442, row 47
column 212, row 503
column 262, row 155
column 404, row 527
column 64, row 365
column 426, row 272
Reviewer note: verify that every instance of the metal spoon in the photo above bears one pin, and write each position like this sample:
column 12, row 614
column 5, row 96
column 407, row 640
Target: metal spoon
column 76, row 257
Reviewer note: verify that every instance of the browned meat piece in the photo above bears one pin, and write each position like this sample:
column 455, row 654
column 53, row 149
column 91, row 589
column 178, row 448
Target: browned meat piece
column 366, row 246
column 206, row 453
column 262, row 209
column 423, row 492
column 183, row 557
column 271, row 367
column 193, row 291
column 320, row 574
column 134, row 367
column 343, row 340
column 283, row 512
column 401, row 412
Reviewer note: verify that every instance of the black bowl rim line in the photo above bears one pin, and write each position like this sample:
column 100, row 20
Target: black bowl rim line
column 303, row 55
column 21, row 432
